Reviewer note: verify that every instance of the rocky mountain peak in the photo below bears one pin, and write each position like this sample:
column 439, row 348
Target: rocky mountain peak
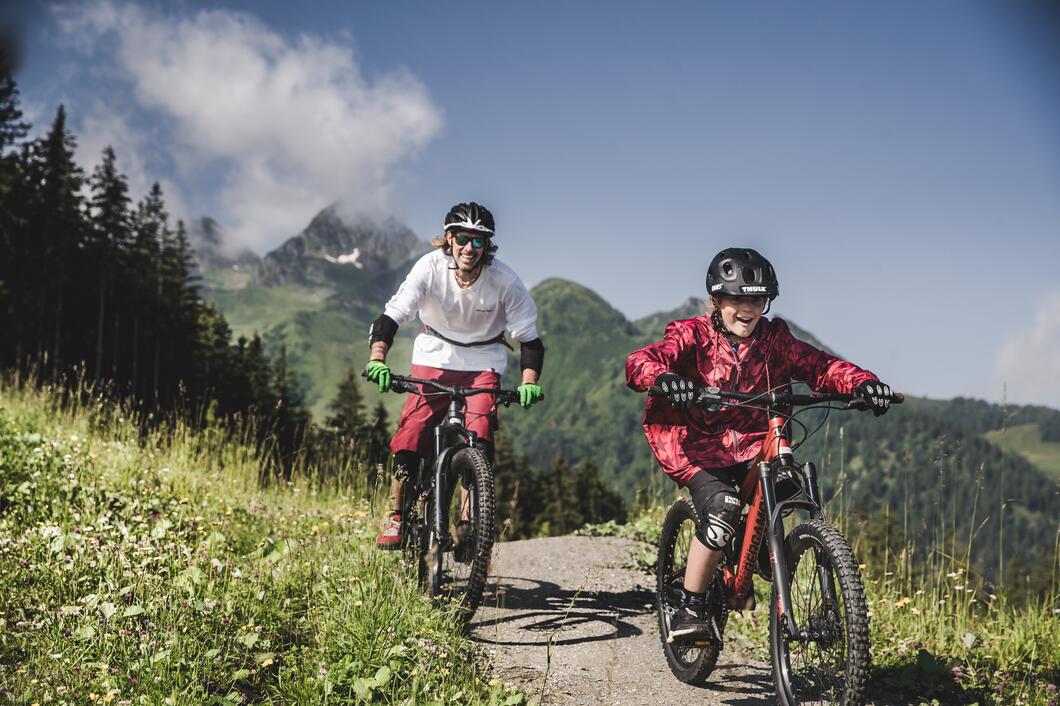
column 206, row 237
column 357, row 241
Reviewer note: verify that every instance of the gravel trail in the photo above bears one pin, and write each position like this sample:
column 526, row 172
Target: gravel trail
column 571, row 621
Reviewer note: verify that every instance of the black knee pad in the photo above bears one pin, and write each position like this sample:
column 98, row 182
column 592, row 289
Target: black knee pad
column 718, row 518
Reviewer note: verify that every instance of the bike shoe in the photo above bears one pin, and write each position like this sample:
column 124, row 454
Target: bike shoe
column 687, row 625
column 391, row 536
column 463, row 549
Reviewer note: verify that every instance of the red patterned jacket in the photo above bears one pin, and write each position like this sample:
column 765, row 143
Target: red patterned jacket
column 684, row 441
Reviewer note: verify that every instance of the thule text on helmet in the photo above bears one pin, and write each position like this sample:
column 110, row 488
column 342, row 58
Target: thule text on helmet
column 742, row 272
column 469, row 216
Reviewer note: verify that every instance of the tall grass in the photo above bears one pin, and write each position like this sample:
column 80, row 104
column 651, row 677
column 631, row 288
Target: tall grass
column 938, row 630
column 152, row 567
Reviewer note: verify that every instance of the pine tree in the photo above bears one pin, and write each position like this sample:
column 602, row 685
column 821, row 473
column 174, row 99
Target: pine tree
column 519, row 491
column 12, row 129
column 596, row 500
column 290, row 416
column 378, row 445
column 56, row 227
column 347, row 409
column 562, row 508
column 107, row 248
column 150, row 227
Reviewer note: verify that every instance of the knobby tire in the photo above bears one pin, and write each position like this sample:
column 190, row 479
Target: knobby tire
column 832, row 666
column 458, row 575
column 690, row 663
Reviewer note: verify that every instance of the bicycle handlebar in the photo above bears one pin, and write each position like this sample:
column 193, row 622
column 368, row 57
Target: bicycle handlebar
column 405, row 383
column 713, row 395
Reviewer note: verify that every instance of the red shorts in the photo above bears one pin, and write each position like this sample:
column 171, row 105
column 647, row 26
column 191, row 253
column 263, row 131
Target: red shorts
column 421, row 414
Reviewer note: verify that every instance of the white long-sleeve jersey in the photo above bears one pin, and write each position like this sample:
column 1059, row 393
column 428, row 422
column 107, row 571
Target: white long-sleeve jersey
column 497, row 301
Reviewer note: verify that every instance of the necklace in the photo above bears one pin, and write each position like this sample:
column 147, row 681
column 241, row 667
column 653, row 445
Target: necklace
column 464, row 284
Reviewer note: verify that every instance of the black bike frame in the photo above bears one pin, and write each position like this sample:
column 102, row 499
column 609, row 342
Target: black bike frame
column 443, row 457
column 444, row 445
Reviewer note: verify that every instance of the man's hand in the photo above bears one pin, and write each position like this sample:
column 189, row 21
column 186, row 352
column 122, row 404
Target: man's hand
column 876, row 394
column 378, row 372
column 529, row 393
column 678, row 388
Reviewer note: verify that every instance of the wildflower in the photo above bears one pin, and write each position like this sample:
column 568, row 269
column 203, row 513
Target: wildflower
column 902, row 602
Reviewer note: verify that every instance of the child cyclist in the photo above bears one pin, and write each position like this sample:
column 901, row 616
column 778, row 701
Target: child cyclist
column 733, row 347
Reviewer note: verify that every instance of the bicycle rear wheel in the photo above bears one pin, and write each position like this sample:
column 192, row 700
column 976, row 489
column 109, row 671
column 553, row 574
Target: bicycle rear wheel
column 457, row 569
column 829, row 663
column 691, row 663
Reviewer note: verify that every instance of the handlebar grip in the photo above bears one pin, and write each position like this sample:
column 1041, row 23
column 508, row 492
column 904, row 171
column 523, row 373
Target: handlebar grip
column 897, row 397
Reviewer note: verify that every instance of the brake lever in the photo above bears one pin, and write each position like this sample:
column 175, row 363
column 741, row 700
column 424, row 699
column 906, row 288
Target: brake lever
column 399, row 386
column 709, row 399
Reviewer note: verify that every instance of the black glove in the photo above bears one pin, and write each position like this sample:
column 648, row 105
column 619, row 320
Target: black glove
column 876, row 394
column 679, row 389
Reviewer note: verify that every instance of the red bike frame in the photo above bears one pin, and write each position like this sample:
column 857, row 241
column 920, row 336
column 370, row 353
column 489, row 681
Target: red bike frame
column 777, row 445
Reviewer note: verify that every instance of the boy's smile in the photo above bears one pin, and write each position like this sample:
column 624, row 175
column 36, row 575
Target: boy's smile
column 740, row 314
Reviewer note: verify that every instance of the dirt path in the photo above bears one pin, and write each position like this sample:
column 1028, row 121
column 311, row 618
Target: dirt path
column 571, row 609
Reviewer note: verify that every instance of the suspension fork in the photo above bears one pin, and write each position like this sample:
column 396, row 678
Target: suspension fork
column 775, row 537
column 440, row 496
column 824, row 573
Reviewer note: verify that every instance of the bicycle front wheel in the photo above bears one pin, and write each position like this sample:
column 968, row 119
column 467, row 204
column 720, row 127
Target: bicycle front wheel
column 828, row 662
column 691, row 663
column 458, row 561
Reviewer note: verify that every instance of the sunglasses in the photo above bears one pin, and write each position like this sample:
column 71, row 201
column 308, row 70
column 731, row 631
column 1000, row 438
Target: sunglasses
column 477, row 242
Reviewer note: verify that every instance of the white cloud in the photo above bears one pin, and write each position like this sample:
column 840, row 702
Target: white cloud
column 1027, row 366
column 293, row 124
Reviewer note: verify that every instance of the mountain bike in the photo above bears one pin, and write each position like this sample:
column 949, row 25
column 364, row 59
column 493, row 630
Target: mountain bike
column 451, row 570
column 818, row 619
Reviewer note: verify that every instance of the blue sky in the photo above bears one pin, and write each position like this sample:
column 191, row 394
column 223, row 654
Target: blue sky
column 899, row 162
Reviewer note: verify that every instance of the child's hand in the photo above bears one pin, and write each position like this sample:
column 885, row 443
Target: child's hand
column 679, row 389
column 876, row 394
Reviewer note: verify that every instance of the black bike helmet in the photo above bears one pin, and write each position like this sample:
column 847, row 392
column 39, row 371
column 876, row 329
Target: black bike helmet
column 742, row 272
column 469, row 216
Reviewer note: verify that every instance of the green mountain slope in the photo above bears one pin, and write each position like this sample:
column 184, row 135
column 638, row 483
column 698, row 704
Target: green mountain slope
column 940, row 469
column 1026, row 441
column 930, row 465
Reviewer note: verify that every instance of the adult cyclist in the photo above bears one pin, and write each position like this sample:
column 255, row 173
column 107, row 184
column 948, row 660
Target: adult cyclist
column 466, row 299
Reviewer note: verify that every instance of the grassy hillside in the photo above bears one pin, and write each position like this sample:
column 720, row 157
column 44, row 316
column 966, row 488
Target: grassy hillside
column 929, row 465
column 1026, row 441
column 153, row 569
column 893, row 465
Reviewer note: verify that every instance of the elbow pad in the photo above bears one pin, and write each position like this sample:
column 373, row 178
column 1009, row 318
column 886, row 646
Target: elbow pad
column 532, row 355
column 383, row 329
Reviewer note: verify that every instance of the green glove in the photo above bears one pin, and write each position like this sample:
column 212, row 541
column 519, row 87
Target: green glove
column 379, row 372
column 529, row 393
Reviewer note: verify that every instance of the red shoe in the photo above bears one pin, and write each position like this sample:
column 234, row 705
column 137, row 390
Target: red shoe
column 391, row 536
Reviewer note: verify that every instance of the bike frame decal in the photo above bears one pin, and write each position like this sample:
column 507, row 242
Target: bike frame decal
column 739, row 580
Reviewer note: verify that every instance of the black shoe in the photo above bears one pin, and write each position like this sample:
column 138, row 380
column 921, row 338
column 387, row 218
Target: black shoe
column 688, row 626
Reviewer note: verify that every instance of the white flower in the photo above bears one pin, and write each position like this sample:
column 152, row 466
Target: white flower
column 49, row 531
